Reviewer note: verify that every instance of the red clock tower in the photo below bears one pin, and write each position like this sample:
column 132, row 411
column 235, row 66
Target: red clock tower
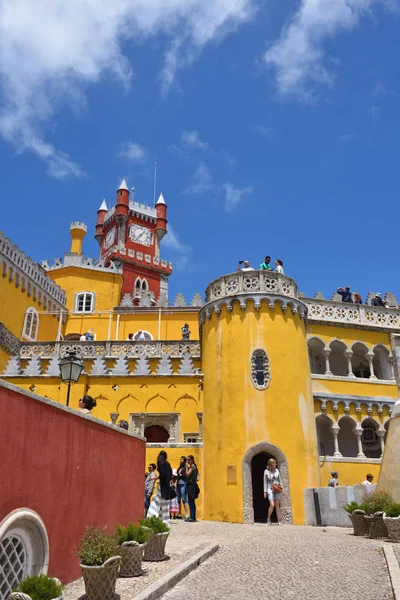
column 130, row 233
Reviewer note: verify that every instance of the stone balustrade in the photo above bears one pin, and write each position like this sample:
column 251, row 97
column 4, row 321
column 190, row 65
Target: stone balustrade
column 110, row 349
column 360, row 315
column 249, row 282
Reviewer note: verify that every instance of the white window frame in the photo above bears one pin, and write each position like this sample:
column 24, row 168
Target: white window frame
column 31, row 324
column 92, row 303
column 145, row 333
column 191, row 438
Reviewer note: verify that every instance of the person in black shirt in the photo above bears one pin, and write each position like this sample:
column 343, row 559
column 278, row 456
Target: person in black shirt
column 160, row 503
column 345, row 293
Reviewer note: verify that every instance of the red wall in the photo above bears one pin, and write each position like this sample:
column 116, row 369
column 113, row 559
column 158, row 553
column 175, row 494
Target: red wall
column 71, row 470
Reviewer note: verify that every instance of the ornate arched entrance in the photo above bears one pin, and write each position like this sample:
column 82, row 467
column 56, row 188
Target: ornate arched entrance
column 248, row 507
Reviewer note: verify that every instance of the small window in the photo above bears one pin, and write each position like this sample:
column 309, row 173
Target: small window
column 191, row 438
column 145, row 285
column 260, row 371
column 84, row 302
column 31, row 324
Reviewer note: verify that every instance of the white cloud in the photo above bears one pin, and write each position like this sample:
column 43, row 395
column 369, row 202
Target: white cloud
column 133, row 152
column 233, row 196
column 263, row 130
column 52, row 50
column 181, row 252
column 202, row 181
column 298, row 56
column 191, row 139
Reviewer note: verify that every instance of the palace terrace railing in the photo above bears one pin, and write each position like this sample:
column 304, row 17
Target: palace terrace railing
column 249, row 282
column 110, row 349
column 360, row 315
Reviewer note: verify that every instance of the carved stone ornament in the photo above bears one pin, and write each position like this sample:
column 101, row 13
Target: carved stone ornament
column 260, row 369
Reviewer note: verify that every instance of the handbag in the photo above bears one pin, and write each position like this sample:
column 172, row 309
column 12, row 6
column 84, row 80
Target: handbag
column 276, row 488
column 172, row 492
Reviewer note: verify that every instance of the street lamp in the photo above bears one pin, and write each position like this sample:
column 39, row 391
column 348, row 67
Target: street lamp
column 70, row 370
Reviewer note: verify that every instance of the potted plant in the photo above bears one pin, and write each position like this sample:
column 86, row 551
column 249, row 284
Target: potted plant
column 100, row 563
column 132, row 543
column 159, row 532
column 38, row 587
column 374, row 506
column 357, row 517
column 391, row 518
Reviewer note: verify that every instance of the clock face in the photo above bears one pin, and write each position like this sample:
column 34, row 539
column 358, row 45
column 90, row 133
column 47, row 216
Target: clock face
column 110, row 237
column 140, row 235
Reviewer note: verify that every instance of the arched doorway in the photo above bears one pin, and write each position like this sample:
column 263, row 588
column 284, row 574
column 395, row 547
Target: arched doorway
column 156, row 434
column 266, row 450
column 260, row 505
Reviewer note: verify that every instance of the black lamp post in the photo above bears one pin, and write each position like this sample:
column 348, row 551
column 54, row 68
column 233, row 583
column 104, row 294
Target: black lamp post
column 70, row 370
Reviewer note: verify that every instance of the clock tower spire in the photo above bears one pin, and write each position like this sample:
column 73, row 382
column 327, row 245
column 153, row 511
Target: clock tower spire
column 131, row 234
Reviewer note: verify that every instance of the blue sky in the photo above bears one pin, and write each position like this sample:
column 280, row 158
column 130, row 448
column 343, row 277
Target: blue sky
column 274, row 125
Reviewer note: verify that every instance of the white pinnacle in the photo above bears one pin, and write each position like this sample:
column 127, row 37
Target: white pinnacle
column 160, row 199
column 123, row 185
column 103, row 206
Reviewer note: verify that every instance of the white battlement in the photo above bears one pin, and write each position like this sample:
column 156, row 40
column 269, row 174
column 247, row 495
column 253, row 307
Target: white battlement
column 78, row 225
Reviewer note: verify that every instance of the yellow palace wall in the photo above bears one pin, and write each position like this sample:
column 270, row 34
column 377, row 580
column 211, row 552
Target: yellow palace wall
column 237, row 416
column 13, row 305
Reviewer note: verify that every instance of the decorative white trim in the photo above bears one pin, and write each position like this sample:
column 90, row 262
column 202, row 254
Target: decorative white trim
column 348, row 459
column 353, row 379
column 260, row 352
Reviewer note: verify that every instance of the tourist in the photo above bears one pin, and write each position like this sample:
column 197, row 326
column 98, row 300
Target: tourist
column 377, row 301
column 273, row 489
column 130, row 338
column 192, row 486
column 140, row 337
column 186, row 332
column 86, row 403
column 246, row 267
column 367, row 484
column 83, row 337
column 123, row 424
column 181, row 489
column 333, row 482
column 266, row 266
column 151, row 478
column 174, row 504
column 160, row 504
column 357, row 299
column 345, row 293
column 279, row 266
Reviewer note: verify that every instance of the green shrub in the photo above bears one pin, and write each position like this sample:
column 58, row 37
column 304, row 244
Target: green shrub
column 132, row 532
column 154, row 523
column 351, row 506
column 40, row 587
column 393, row 510
column 378, row 501
column 96, row 546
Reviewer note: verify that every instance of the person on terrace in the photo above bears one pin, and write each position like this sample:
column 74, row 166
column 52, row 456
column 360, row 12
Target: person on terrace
column 333, row 482
column 266, row 265
column 186, row 332
column 357, row 299
column 345, row 293
column 377, row 301
column 279, row 266
column 246, row 267
column 86, row 403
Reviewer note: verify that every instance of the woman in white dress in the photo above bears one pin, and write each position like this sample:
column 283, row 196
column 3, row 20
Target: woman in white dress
column 279, row 267
column 273, row 489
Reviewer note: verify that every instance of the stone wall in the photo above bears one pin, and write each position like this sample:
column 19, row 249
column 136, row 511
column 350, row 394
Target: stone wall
column 332, row 502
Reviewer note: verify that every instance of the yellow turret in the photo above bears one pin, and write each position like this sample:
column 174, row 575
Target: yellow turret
column 78, row 231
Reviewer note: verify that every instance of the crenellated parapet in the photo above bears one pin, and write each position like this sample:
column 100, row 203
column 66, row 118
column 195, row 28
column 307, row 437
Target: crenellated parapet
column 28, row 275
column 79, row 260
column 254, row 287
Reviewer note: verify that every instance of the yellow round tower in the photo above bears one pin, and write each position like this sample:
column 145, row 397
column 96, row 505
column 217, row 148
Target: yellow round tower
column 258, row 402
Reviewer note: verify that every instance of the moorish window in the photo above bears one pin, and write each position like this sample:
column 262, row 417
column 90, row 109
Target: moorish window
column 260, row 371
column 84, row 302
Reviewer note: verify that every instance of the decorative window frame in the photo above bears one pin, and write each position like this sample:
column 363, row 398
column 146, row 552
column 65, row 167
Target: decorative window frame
column 142, row 287
column 28, row 528
column 191, row 438
column 266, row 369
column 76, row 300
column 31, row 319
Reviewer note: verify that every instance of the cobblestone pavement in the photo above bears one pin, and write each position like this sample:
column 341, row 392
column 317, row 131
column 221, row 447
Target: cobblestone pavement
column 282, row 563
column 266, row 563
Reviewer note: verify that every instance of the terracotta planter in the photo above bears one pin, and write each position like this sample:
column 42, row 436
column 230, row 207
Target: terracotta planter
column 393, row 527
column 155, row 549
column 100, row 581
column 377, row 526
column 360, row 525
column 132, row 555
